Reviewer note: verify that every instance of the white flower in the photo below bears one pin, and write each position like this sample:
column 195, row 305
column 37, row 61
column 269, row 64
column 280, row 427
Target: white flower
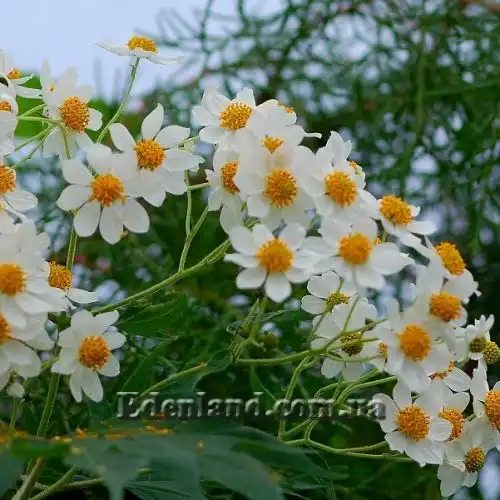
column 274, row 262
column 446, row 260
column 377, row 351
column 86, row 352
column 453, row 378
column 486, row 402
column 24, row 287
column 13, row 200
column 439, row 303
column 62, row 278
column 412, row 353
column 157, row 155
column 337, row 189
column 271, row 181
column 327, row 290
column 223, row 119
column 413, row 427
column 106, row 199
column 349, row 317
column 68, row 103
column 14, row 349
column 8, row 123
column 14, row 79
column 465, row 457
column 224, row 192
column 140, row 47
column 477, row 340
column 398, row 219
column 290, row 116
column 355, row 254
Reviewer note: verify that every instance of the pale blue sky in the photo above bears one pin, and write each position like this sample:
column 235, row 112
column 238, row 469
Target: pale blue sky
column 65, row 32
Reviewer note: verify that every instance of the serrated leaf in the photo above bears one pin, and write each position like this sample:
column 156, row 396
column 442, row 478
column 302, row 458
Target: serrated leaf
column 240, row 473
column 106, row 460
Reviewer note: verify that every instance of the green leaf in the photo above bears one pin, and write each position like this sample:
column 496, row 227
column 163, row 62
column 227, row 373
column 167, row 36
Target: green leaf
column 240, row 473
column 158, row 490
column 11, row 469
column 31, row 449
column 106, row 460
column 257, row 386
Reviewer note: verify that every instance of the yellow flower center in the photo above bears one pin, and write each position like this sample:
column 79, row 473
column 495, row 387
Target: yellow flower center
column 12, row 279
column 7, row 179
column 150, row 154
column 445, row 306
column 355, row 346
column 492, row 405
column 456, row 419
column 6, row 106
column 355, row 248
column 414, row 422
column 75, row 114
column 353, row 165
column 451, row 258
column 94, row 352
column 491, row 353
column 281, row 188
column 14, row 74
column 59, row 276
column 415, row 342
column 107, row 188
column 5, row 330
column 478, row 344
column 288, row 109
column 474, row 460
column 382, row 348
column 340, row 188
column 272, row 143
column 336, row 298
column 227, row 173
column 275, row 256
column 443, row 375
column 396, row 210
column 235, row 116
column 142, row 42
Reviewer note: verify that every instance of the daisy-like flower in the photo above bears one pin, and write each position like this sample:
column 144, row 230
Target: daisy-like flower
column 336, row 188
column 290, row 116
column 86, row 352
column 345, row 317
column 270, row 180
column 62, row 278
column 24, row 287
column 223, row 119
column 452, row 378
column 412, row 353
column 8, row 122
column 398, row 219
column 157, row 155
column 486, row 402
column 355, row 253
column 440, row 303
column 14, row 80
column 274, row 262
column 446, row 260
column 465, row 457
column 224, row 192
column 106, row 199
column 69, row 104
column 453, row 404
column 413, row 427
column 327, row 291
column 478, row 344
column 140, row 47
column 14, row 351
column 13, row 201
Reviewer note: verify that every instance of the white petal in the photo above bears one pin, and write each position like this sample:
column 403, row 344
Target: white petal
column 91, row 385
column 243, row 240
column 331, row 368
column 152, row 123
column 440, row 429
column 293, row 235
column 172, row 135
column 121, row 137
column 103, row 321
column 87, row 219
column 135, row 217
column 111, row 368
column 277, row 287
column 251, row 278
column 396, row 441
column 114, row 339
column 75, row 385
column 110, row 225
column 75, row 172
column 73, row 197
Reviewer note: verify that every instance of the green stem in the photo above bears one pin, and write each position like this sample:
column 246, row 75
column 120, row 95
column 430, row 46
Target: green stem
column 28, row 157
column 62, row 481
column 32, row 110
column 29, row 483
column 211, row 258
column 165, row 383
column 190, row 236
column 13, row 415
column 124, row 102
column 49, row 405
column 198, row 186
column 34, row 138
column 189, row 208
column 37, row 119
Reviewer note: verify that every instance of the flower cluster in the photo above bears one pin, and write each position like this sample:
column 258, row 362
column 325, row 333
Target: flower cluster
column 292, row 216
